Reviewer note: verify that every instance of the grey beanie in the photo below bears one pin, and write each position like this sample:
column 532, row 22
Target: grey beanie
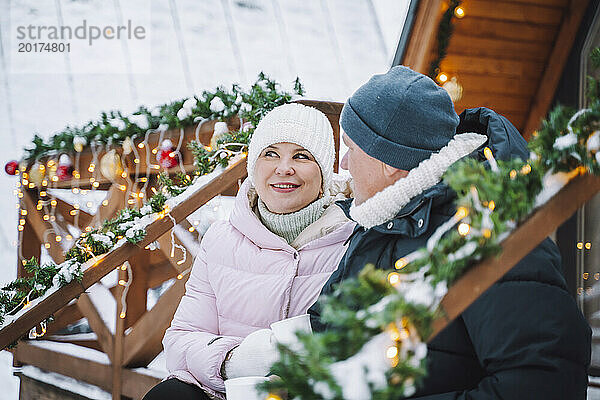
column 400, row 118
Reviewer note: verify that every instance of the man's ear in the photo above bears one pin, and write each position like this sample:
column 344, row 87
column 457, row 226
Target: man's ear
column 393, row 173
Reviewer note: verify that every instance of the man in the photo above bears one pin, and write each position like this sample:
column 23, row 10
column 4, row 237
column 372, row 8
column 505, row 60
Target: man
column 524, row 338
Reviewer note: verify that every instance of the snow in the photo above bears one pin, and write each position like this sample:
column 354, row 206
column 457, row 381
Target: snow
column 105, row 303
column 66, row 383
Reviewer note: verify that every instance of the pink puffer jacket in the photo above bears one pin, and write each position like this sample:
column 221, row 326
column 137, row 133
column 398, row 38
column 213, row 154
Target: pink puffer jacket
column 245, row 278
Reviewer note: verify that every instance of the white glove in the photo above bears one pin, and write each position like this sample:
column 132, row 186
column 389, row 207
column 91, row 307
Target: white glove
column 254, row 356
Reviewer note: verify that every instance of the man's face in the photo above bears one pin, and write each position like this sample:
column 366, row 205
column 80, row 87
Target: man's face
column 368, row 174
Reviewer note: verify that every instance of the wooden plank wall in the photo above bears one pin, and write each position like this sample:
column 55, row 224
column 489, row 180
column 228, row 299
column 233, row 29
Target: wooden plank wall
column 508, row 55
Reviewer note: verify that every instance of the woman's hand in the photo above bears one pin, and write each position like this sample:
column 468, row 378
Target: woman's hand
column 254, row 356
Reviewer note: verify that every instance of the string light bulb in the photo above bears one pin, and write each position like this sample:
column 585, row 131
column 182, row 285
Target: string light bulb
column 401, row 263
column 487, row 152
column 464, row 229
column 461, row 212
column 122, row 315
column 394, row 278
column 459, row 12
column 391, row 352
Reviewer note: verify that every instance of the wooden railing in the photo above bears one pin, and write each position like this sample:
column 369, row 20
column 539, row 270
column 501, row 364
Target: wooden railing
column 136, row 340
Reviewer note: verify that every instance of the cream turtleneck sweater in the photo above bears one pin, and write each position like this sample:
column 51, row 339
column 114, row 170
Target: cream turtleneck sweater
column 289, row 226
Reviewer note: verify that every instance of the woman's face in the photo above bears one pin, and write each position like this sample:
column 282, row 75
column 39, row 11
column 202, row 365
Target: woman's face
column 287, row 178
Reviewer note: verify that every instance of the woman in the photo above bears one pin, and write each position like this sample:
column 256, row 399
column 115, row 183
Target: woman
column 283, row 240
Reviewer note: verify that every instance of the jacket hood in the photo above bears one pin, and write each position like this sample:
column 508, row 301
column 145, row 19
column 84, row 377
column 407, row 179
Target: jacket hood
column 504, row 139
column 244, row 219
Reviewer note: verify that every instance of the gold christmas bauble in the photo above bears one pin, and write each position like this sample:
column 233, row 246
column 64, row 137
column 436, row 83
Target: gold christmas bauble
column 111, row 166
column 37, row 174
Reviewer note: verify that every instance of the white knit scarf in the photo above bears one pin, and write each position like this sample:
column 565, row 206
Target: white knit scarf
column 386, row 204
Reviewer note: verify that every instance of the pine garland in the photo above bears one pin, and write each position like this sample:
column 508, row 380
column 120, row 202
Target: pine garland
column 129, row 225
column 444, row 34
column 391, row 312
column 114, row 127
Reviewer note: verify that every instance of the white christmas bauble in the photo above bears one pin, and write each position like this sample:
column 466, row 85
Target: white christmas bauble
column 111, row 166
column 64, row 160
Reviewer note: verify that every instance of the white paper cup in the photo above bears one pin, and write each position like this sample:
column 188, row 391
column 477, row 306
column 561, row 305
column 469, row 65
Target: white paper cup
column 285, row 330
column 245, row 388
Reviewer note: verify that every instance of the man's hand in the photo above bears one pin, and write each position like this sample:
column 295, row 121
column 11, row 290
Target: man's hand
column 254, row 356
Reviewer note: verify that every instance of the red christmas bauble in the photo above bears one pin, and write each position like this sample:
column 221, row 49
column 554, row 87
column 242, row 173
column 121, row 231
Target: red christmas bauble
column 64, row 172
column 167, row 158
column 11, row 167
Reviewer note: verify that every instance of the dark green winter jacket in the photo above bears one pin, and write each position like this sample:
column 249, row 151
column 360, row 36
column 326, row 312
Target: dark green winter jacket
column 524, row 338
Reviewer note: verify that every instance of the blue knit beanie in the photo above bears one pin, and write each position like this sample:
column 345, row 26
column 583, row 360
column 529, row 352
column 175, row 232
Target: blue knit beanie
column 400, row 118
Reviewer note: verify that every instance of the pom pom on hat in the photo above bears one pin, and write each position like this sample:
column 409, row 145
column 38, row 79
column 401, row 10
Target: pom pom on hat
column 298, row 124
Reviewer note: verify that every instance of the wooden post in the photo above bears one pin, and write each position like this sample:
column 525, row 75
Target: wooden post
column 119, row 339
column 137, row 292
column 29, row 246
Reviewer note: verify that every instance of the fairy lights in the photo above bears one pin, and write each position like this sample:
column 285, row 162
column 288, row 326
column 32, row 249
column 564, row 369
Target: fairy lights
column 393, row 278
column 487, row 152
column 464, row 229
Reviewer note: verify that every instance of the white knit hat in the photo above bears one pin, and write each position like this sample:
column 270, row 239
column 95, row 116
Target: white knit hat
column 298, row 124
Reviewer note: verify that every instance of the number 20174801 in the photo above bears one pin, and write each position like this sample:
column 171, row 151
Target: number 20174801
column 40, row 47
